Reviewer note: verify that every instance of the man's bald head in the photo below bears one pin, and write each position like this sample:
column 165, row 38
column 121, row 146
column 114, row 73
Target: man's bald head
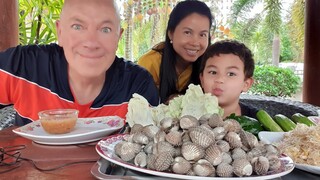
column 69, row 3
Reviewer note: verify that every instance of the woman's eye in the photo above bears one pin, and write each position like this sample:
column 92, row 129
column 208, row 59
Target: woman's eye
column 212, row 72
column 106, row 30
column 76, row 27
column 204, row 35
column 187, row 32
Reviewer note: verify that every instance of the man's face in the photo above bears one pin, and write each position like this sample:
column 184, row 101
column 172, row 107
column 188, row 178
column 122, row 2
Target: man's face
column 89, row 32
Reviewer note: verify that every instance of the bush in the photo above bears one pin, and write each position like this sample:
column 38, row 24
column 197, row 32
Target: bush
column 275, row 81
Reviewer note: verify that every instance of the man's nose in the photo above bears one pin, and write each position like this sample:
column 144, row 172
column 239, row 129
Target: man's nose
column 91, row 39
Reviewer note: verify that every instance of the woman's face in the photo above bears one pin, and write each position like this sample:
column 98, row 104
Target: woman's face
column 190, row 38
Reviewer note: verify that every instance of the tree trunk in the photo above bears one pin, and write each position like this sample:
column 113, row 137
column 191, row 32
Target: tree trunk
column 128, row 34
column 9, row 30
column 276, row 50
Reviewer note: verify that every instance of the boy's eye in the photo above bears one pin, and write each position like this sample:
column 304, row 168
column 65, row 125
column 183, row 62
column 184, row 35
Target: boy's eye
column 106, row 30
column 212, row 72
column 231, row 74
column 76, row 27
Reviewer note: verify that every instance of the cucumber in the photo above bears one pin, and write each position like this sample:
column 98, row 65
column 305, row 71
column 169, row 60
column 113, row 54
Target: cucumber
column 299, row 118
column 268, row 123
column 284, row 122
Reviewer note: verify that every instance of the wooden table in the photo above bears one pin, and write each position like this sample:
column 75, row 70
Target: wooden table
column 47, row 156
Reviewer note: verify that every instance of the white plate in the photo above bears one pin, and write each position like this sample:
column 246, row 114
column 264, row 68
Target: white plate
column 273, row 137
column 105, row 149
column 86, row 130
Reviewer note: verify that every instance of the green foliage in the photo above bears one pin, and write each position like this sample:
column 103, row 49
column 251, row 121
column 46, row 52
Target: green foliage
column 275, row 81
column 37, row 21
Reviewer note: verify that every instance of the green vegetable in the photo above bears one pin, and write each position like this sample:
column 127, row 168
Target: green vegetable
column 248, row 124
column 299, row 118
column 268, row 123
column 284, row 122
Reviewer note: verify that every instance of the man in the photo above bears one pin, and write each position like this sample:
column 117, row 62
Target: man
column 82, row 72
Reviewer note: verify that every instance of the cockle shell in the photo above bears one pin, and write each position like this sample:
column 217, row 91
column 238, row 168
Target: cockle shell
column 231, row 125
column 162, row 161
column 181, row 165
column 226, row 158
column 166, row 123
column 256, row 152
column 201, row 136
column 187, row 122
column 127, row 150
column 224, row 145
column 159, row 136
column 150, row 131
column 260, row 165
column 248, row 139
column 174, row 138
column 136, row 128
column 213, row 154
column 191, row 151
column 224, row 170
column 203, row 168
column 242, row 167
column 234, row 139
column 238, row 153
column 219, row 132
column 163, row 146
column 215, row 120
column 140, row 138
column 274, row 162
column 271, row 150
column 141, row 159
column 148, row 148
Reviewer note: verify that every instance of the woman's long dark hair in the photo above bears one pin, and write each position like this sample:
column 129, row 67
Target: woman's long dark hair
column 168, row 75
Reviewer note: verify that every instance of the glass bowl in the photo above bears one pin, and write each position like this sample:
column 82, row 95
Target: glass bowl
column 58, row 121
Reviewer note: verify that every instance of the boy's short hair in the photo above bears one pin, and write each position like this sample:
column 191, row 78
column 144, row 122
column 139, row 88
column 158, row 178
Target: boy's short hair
column 230, row 47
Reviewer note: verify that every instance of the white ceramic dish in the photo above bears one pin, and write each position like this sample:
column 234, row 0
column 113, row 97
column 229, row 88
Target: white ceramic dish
column 273, row 137
column 105, row 149
column 86, row 130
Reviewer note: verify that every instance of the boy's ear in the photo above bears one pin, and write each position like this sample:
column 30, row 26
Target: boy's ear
column 247, row 84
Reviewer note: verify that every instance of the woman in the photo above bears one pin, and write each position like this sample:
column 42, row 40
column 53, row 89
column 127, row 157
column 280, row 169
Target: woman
column 174, row 64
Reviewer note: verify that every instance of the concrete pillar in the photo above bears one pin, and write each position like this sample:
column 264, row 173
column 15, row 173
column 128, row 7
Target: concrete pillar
column 9, row 29
column 311, row 74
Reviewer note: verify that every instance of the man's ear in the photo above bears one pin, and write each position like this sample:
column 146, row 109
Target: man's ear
column 247, row 84
column 58, row 29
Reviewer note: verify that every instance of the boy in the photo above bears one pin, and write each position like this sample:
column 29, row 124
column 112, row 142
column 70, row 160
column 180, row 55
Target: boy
column 226, row 71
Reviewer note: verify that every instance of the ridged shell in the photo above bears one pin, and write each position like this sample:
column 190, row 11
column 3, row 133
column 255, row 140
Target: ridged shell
column 163, row 146
column 159, row 136
column 181, row 165
column 166, row 123
column 256, row 152
column 219, row 132
column 213, row 154
column 136, row 128
column 274, row 162
column 231, row 125
column 224, row 145
column 192, row 152
column 201, row 136
column 224, row 170
column 150, row 161
column 140, row 138
column 242, row 167
column 238, row 153
column 174, row 138
column 141, row 159
column 248, row 139
column 162, row 161
column 260, row 165
column 203, row 168
column 150, row 131
column 187, row 122
column 148, row 148
column 215, row 120
column 205, row 117
column 233, row 139
column 226, row 158
column 271, row 150
column 127, row 150
column 185, row 137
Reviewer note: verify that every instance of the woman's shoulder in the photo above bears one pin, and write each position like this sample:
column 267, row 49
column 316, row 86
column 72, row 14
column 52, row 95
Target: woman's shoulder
column 152, row 56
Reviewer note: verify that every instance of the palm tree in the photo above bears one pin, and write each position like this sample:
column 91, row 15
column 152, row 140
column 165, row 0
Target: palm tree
column 272, row 17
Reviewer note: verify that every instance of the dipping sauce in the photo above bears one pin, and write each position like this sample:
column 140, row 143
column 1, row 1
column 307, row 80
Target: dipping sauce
column 58, row 121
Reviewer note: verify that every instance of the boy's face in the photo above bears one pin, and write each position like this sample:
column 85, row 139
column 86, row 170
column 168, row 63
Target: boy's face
column 223, row 76
column 89, row 32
